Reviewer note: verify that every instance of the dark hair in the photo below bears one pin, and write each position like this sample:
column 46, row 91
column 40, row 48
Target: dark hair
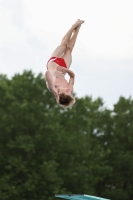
column 65, row 100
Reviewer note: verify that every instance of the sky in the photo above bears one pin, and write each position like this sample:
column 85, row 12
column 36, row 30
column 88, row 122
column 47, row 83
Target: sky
column 103, row 55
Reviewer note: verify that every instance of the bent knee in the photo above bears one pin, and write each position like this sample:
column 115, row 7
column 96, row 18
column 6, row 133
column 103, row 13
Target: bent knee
column 64, row 43
column 70, row 47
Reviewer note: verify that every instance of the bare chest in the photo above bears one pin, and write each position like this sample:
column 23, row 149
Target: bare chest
column 60, row 81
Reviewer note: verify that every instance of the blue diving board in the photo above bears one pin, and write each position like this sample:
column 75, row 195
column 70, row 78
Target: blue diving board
column 79, row 197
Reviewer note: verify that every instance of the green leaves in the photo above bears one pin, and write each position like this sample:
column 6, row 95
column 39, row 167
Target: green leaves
column 45, row 149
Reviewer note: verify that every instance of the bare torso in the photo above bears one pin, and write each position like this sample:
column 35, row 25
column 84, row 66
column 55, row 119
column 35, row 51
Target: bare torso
column 58, row 77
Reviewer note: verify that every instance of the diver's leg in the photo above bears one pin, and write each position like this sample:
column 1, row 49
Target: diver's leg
column 60, row 50
column 73, row 39
column 68, row 35
column 68, row 56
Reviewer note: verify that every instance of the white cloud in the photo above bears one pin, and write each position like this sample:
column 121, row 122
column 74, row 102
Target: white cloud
column 108, row 27
column 9, row 14
column 103, row 54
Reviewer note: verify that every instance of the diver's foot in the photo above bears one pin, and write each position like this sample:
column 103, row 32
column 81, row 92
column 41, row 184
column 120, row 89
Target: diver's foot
column 78, row 23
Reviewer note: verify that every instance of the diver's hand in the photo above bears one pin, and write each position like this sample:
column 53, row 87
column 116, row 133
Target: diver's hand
column 62, row 69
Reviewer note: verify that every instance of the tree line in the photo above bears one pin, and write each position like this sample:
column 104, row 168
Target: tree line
column 46, row 149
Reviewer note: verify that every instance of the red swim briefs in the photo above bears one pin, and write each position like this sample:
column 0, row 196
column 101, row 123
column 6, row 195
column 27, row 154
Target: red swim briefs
column 59, row 61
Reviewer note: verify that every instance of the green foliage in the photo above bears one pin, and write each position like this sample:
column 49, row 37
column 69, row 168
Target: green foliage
column 45, row 149
column 120, row 183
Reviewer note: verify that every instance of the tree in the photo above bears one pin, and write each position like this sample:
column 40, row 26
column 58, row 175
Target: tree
column 120, row 183
column 27, row 161
column 46, row 149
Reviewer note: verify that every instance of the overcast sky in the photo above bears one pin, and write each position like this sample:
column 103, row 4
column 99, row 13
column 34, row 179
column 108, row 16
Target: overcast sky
column 103, row 55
